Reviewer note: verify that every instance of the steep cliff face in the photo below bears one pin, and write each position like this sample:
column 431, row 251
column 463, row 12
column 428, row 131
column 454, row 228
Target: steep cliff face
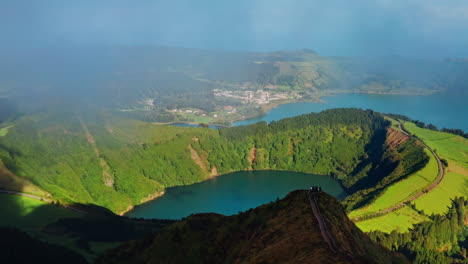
column 285, row 231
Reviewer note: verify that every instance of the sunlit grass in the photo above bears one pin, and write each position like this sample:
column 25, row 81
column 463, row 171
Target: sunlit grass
column 4, row 131
column 402, row 190
column 24, row 212
column 450, row 147
column 454, row 149
column 400, row 220
column 447, row 146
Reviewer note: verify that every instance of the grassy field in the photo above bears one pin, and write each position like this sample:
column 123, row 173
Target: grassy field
column 450, row 147
column 400, row 220
column 4, row 130
column 393, row 121
column 402, row 190
column 454, row 149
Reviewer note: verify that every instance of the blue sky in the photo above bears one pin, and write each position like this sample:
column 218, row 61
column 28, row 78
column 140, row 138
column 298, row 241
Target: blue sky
column 424, row 28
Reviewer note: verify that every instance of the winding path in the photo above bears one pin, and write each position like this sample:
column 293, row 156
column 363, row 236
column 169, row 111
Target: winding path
column 440, row 176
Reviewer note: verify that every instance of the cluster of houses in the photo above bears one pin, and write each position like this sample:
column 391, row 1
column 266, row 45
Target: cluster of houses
column 259, row 97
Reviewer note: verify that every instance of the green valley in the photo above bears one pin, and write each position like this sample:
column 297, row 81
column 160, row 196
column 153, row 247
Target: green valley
column 236, row 132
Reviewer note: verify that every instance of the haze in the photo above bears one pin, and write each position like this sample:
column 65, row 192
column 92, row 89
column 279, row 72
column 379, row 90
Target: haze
column 337, row 27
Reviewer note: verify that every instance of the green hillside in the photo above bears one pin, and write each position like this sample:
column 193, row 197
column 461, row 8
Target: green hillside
column 117, row 163
column 450, row 148
column 442, row 239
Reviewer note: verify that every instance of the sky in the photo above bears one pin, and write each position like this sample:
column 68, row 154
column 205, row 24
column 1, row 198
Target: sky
column 413, row 28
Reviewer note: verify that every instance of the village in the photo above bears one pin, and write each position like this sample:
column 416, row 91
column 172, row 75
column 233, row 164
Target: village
column 231, row 105
column 259, row 97
column 243, row 102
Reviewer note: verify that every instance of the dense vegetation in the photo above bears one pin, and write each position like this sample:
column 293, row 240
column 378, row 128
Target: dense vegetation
column 395, row 164
column 452, row 150
column 331, row 143
column 441, row 240
column 117, row 163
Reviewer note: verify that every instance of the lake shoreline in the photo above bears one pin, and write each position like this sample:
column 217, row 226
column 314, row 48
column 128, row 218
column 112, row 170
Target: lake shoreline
column 270, row 106
column 344, row 191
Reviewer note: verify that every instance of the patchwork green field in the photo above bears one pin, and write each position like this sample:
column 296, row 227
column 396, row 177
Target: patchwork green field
column 403, row 189
column 400, row 220
column 452, row 148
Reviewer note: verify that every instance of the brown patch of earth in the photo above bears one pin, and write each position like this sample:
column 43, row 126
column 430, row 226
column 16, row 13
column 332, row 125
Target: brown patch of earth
column 252, row 156
column 395, row 138
column 198, row 160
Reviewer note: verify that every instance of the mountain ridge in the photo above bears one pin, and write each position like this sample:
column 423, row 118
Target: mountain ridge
column 282, row 231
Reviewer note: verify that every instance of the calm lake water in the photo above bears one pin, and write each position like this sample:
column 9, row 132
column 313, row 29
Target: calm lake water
column 442, row 110
column 231, row 193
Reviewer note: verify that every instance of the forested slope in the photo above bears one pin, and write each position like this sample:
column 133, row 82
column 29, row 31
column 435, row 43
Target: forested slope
column 441, row 240
column 117, row 163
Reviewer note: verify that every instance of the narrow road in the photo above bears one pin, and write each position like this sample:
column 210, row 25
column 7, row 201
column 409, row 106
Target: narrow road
column 42, row 199
column 440, row 176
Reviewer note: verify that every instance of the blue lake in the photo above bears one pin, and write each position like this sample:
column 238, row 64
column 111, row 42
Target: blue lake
column 231, row 193
column 442, row 110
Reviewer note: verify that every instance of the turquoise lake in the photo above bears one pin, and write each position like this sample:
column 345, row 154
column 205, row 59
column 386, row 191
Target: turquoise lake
column 232, row 193
column 442, row 110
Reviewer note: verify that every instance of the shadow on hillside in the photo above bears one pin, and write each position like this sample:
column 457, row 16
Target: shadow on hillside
column 20, row 226
column 57, row 223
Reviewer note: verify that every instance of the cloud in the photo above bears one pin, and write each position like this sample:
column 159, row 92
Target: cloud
column 407, row 27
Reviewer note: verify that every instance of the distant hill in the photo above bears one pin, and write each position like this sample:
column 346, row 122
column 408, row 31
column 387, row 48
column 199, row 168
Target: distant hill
column 148, row 82
column 285, row 231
